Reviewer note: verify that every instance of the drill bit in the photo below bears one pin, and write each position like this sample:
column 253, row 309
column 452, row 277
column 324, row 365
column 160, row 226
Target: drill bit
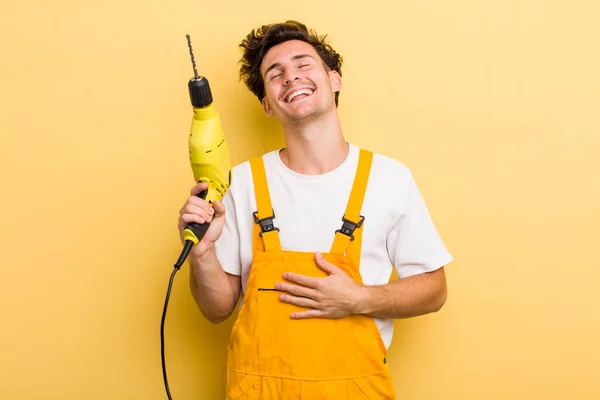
column 192, row 55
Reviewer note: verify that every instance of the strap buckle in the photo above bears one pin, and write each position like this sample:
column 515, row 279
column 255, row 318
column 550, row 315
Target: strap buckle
column 266, row 224
column 348, row 227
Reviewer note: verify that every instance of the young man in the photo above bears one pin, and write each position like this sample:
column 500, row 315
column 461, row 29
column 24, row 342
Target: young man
column 310, row 237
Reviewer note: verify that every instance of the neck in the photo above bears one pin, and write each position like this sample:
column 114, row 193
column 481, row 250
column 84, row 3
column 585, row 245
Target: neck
column 314, row 147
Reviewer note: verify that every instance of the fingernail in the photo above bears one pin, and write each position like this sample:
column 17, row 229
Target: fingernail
column 285, row 275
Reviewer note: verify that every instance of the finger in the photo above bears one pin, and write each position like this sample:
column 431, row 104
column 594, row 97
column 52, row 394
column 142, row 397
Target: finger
column 297, row 290
column 197, row 201
column 194, row 209
column 198, row 188
column 298, row 301
column 219, row 208
column 303, row 280
column 325, row 265
column 187, row 218
column 308, row 314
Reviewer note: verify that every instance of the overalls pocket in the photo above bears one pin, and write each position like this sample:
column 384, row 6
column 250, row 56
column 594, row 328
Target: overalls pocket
column 243, row 386
column 372, row 387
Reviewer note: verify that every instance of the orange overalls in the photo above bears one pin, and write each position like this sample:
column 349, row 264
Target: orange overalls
column 273, row 357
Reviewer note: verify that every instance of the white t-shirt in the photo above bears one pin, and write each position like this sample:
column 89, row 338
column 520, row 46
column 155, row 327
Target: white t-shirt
column 397, row 232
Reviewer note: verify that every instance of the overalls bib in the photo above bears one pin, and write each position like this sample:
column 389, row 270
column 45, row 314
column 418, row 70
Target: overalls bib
column 274, row 357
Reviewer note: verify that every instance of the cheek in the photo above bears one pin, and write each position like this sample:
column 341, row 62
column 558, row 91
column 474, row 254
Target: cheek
column 319, row 79
column 272, row 91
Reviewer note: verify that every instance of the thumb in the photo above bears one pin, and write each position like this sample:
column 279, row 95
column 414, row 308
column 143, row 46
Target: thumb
column 324, row 264
column 219, row 209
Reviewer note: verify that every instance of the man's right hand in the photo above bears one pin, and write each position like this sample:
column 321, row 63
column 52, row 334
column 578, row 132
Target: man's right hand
column 200, row 211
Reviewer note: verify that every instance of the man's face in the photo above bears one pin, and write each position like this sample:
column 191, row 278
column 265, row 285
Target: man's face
column 297, row 83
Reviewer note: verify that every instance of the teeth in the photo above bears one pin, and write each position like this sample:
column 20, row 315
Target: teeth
column 296, row 93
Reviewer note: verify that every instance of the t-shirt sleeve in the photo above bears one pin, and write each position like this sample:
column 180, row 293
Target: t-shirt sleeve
column 413, row 242
column 227, row 247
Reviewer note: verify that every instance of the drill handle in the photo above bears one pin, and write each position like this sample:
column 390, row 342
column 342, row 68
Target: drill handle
column 195, row 231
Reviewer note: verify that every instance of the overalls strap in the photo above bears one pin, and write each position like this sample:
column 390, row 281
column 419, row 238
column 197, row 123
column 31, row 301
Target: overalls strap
column 352, row 221
column 264, row 217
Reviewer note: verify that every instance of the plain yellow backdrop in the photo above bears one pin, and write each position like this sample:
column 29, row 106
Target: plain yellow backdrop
column 494, row 105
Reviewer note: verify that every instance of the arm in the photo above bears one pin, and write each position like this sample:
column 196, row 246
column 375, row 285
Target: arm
column 409, row 297
column 338, row 295
column 215, row 291
column 419, row 255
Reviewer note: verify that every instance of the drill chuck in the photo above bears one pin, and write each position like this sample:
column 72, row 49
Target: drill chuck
column 200, row 94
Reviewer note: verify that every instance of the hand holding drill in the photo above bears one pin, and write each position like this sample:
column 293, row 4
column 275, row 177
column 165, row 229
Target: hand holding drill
column 200, row 211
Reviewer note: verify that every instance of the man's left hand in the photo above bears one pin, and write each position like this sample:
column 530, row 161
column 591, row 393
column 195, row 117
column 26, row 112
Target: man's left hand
column 334, row 296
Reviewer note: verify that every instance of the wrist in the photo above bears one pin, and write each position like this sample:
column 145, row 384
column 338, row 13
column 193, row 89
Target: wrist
column 202, row 253
column 363, row 297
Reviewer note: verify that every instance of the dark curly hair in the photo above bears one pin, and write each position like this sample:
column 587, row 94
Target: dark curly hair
column 259, row 41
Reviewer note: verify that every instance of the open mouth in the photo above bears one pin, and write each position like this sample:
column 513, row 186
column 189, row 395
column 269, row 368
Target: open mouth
column 298, row 94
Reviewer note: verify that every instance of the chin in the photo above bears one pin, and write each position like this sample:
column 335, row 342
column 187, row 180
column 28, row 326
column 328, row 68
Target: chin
column 303, row 116
column 308, row 111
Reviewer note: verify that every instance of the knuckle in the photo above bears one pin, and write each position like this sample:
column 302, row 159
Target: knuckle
column 195, row 200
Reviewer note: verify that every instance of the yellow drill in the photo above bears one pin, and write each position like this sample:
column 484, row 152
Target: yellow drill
column 209, row 155
column 209, row 158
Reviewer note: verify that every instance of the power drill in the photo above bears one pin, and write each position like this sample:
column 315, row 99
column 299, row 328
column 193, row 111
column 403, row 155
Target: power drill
column 209, row 158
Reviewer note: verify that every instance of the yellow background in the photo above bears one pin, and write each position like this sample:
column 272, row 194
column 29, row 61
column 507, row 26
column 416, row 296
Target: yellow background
column 494, row 106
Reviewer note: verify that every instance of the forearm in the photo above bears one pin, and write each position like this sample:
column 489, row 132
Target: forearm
column 405, row 298
column 211, row 287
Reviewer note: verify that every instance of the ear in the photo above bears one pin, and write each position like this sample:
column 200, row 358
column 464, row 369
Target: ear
column 267, row 107
column 336, row 81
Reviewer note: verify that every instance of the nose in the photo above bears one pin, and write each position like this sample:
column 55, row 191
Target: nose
column 291, row 76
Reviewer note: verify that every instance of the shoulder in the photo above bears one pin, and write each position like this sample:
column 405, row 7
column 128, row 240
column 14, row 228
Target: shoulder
column 390, row 172
column 390, row 165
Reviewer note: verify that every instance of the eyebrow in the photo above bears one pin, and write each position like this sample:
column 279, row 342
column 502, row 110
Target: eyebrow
column 294, row 58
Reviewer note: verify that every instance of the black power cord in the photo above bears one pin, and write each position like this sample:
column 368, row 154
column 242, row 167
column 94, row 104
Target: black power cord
column 184, row 253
